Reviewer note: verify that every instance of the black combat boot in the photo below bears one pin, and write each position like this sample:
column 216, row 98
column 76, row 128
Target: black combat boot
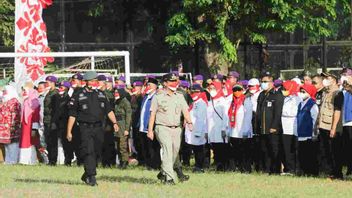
column 181, row 177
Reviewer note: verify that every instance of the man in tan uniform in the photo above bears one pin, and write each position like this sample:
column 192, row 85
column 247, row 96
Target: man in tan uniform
column 166, row 110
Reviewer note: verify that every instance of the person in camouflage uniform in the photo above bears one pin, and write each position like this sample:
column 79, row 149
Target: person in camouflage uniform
column 109, row 151
column 51, row 108
column 123, row 112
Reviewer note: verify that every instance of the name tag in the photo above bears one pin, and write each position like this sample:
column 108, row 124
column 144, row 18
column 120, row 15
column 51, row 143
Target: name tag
column 270, row 104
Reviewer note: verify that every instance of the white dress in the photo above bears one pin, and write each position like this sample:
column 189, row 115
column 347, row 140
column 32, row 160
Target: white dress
column 197, row 135
column 217, row 122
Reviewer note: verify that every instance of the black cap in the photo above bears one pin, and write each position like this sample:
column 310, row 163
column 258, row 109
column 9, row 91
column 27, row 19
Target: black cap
column 266, row 74
column 327, row 74
column 170, row 77
column 153, row 80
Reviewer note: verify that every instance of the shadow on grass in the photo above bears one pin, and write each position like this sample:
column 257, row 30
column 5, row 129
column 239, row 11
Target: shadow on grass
column 141, row 180
column 48, row 181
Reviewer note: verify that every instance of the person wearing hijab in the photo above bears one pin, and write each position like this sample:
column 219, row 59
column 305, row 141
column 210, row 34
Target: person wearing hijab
column 10, row 122
column 123, row 112
column 217, row 115
column 306, row 121
column 288, row 119
column 196, row 139
column 241, row 131
column 30, row 124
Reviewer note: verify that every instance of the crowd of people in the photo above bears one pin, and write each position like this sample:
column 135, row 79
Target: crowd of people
column 300, row 126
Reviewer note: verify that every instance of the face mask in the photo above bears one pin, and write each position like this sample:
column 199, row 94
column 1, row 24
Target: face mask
column 285, row 93
column 74, row 84
column 117, row 96
column 265, row 86
column 47, row 88
column 92, row 85
column 213, row 93
column 195, row 96
column 172, row 85
column 61, row 91
column 326, row 83
column 303, row 96
column 83, row 83
column 238, row 94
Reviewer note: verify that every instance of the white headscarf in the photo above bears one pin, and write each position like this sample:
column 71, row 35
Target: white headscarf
column 10, row 93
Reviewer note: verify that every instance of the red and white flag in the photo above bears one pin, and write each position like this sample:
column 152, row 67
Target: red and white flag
column 30, row 37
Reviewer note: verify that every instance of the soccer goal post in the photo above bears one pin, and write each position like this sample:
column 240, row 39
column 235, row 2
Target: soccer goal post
column 92, row 56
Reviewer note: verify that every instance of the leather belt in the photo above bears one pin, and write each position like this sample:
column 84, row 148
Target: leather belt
column 172, row 127
column 91, row 124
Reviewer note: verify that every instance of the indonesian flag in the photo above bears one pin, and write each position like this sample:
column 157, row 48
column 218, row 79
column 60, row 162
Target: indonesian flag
column 30, row 37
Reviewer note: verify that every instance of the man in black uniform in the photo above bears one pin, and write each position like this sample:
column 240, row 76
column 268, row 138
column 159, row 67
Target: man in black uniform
column 89, row 107
column 268, row 120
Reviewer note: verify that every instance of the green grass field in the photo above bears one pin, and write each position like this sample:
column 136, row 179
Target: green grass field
column 45, row 181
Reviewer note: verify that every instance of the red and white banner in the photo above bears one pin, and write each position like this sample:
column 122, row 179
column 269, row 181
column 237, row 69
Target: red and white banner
column 31, row 37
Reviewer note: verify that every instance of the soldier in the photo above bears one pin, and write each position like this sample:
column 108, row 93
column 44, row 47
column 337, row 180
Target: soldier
column 62, row 123
column 50, row 119
column 123, row 112
column 89, row 107
column 136, row 102
column 166, row 109
column 76, row 83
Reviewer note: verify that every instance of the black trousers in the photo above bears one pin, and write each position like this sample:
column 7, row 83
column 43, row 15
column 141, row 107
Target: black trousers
column 67, row 146
column 289, row 147
column 51, row 139
column 257, row 154
column 347, row 147
column 108, row 150
column 199, row 154
column 221, row 153
column 241, row 153
column 207, row 148
column 91, row 146
column 331, row 153
column 270, row 144
column 150, row 151
column 76, row 143
column 307, row 157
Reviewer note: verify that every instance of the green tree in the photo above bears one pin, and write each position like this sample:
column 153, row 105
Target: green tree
column 7, row 18
column 226, row 23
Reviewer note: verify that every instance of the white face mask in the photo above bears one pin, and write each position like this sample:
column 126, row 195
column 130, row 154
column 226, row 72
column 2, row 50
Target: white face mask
column 116, row 98
column 173, row 88
column 61, row 92
column 225, row 91
column 326, row 83
column 213, row 93
column 195, row 98
column 303, row 96
column 149, row 91
column 252, row 91
column 265, row 86
column 343, row 78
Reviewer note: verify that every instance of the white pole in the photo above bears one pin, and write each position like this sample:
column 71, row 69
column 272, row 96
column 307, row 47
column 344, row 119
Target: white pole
column 92, row 60
column 127, row 69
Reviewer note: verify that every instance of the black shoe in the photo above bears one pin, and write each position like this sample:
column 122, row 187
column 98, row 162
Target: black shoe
column 161, row 176
column 198, row 170
column 181, row 177
column 85, row 178
column 169, row 182
column 123, row 165
column 92, row 181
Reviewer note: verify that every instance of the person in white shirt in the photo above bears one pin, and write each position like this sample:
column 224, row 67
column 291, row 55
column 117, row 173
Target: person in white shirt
column 218, row 125
column 289, row 125
column 241, row 130
column 253, row 92
column 197, row 137
column 306, row 121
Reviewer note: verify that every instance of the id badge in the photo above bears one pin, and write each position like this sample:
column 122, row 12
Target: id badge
column 270, row 104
